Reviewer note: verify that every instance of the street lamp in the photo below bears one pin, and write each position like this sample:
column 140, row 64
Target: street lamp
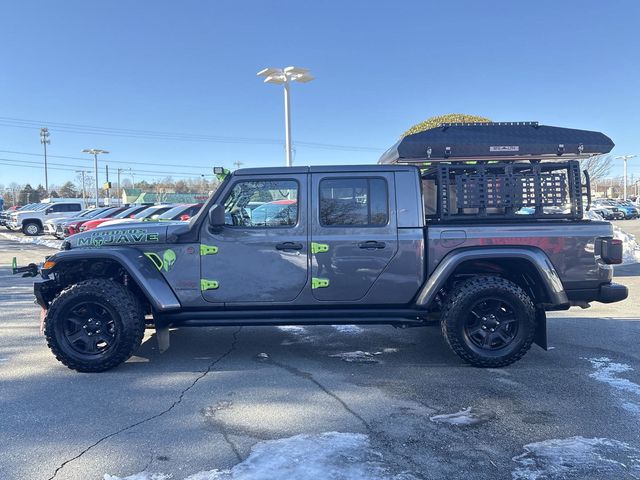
column 624, row 187
column 44, row 140
column 284, row 76
column 95, row 152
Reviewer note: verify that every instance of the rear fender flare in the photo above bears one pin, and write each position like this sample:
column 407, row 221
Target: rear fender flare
column 142, row 270
column 534, row 256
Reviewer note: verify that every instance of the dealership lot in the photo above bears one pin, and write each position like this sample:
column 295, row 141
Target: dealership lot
column 402, row 405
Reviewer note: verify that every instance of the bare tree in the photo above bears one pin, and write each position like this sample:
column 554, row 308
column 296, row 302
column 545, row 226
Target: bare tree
column 598, row 166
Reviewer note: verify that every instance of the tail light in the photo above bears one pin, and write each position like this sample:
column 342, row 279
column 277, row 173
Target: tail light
column 611, row 250
column 185, row 217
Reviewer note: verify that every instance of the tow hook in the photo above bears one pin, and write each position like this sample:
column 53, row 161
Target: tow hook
column 30, row 270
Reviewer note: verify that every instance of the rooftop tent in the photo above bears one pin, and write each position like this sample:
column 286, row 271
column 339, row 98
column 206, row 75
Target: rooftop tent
column 496, row 140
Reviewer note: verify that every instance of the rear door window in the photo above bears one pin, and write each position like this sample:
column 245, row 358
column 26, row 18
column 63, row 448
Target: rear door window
column 354, row 202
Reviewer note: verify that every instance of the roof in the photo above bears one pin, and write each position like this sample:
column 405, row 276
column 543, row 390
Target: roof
column 320, row 169
column 496, row 140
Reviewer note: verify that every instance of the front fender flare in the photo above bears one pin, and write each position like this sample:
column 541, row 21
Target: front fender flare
column 140, row 269
column 536, row 257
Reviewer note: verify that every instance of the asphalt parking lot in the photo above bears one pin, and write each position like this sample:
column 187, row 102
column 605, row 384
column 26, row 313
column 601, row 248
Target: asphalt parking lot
column 322, row 402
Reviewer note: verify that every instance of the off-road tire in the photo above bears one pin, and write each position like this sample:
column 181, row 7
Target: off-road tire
column 457, row 309
column 128, row 318
column 29, row 230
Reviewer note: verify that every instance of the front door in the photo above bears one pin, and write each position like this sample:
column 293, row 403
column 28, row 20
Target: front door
column 261, row 253
column 354, row 234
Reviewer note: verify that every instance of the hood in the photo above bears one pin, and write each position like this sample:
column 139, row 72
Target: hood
column 120, row 235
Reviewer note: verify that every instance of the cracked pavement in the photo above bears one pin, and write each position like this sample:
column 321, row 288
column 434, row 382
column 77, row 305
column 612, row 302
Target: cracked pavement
column 213, row 396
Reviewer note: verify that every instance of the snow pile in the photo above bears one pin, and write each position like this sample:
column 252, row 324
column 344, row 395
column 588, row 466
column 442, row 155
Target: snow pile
column 348, row 329
column 362, row 357
column 33, row 240
column 607, row 371
column 468, row 416
column 630, row 246
column 338, row 456
column 577, row 457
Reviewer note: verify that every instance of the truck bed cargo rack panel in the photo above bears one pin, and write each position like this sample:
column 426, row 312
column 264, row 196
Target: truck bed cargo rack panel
column 534, row 190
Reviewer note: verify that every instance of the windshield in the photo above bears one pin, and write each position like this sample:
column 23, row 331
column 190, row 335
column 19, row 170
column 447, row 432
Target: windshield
column 130, row 211
column 152, row 212
column 173, row 212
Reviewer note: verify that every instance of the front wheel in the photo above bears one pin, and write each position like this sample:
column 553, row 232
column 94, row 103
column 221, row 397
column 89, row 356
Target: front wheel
column 31, row 229
column 489, row 321
column 94, row 325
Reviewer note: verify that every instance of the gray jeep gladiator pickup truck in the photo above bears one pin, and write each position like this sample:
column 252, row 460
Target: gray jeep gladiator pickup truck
column 401, row 244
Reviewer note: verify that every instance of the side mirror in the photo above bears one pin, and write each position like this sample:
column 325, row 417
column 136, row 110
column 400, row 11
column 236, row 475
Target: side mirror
column 48, row 211
column 216, row 216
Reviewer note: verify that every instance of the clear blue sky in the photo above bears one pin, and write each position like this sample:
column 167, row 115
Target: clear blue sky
column 189, row 68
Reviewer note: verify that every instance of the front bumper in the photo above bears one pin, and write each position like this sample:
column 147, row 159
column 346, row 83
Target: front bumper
column 15, row 225
column 605, row 293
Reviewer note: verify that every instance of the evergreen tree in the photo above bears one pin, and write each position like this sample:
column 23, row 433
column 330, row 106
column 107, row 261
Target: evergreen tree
column 28, row 195
column 68, row 190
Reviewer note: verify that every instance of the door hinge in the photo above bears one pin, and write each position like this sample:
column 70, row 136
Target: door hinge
column 208, row 249
column 319, row 282
column 319, row 247
column 208, row 285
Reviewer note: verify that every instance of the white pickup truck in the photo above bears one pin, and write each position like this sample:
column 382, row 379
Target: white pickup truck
column 31, row 222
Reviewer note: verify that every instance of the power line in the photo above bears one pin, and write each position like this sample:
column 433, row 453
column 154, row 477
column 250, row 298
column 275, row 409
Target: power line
column 85, row 159
column 171, row 136
column 72, row 168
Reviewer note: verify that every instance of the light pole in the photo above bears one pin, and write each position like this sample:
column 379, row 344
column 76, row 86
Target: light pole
column 44, row 140
column 624, row 175
column 95, row 152
column 284, row 76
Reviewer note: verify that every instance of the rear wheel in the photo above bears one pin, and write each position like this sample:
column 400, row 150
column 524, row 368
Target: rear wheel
column 94, row 325
column 31, row 228
column 489, row 321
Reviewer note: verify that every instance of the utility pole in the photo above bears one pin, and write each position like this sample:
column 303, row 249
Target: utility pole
column 44, row 140
column 119, row 192
column 84, row 196
column 133, row 178
column 106, row 167
column 237, row 163
column 95, row 152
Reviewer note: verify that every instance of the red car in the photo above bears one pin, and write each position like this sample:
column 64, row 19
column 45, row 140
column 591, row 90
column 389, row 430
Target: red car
column 127, row 213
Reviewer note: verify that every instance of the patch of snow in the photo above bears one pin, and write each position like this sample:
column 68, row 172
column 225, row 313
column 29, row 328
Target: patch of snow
column 632, row 407
column 33, row 240
column 140, row 476
column 607, row 371
column 338, row 456
column 359, row 356
column 292, row 329
column 349, row 329
column 466, row 417
column 576, row 457
column 630, row 246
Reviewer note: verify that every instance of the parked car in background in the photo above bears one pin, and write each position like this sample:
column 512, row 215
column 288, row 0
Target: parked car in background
column 149, row 213
column 4, row 216
column 73, row 227
column 629, row 209
column 128, row 213
column 180, row 212
column 31, row 222
column 54, row 225
column 611, row 205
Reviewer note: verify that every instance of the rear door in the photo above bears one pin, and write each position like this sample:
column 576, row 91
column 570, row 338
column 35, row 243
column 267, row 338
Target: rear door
column 353, row 233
